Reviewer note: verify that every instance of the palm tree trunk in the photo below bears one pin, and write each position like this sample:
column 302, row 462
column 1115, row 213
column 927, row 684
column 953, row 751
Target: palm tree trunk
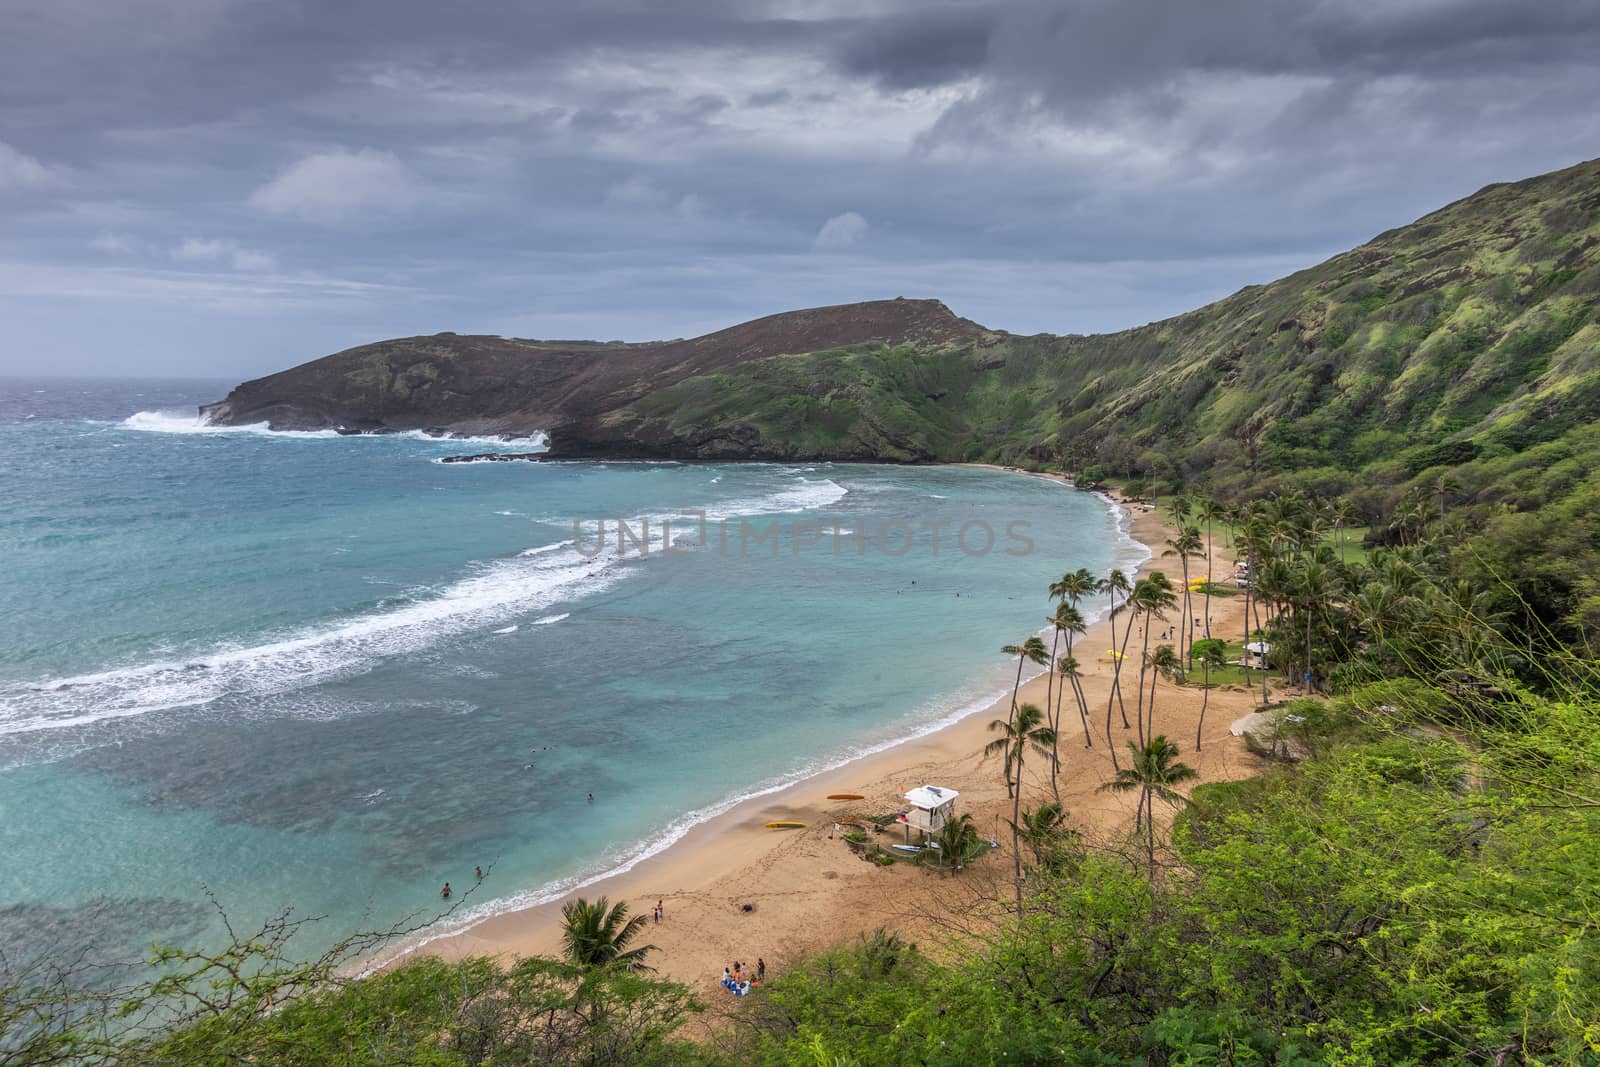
column 1155, row 679
column 1017, row 686
column 1116, row 670
column 1016, row 844
column 1122, row 656
column 1079, row 699
column 1188, row 619
column 1143, row 663
column 1050, row 671
column 1249, row 593
column 1258, row 626
column 1209, row 550
column 1306, row 690
column 1150, row 831
column 1205, row 698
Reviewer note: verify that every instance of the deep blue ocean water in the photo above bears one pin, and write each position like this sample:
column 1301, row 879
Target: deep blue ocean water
column 330, row 674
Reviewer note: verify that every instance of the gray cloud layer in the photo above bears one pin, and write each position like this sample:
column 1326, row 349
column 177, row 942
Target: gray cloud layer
column 229, row 186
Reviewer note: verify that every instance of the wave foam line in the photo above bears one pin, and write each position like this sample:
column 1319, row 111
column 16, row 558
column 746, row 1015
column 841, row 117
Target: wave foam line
column 175, row 422
column 810, row 494
column 499, row 591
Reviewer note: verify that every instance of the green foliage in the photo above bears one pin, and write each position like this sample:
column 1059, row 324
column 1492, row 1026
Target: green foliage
column 439, row 1014
column 599, row 934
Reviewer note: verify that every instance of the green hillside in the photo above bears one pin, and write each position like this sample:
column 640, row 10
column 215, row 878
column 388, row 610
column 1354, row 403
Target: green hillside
column 1466, row 335
column 1452, row 363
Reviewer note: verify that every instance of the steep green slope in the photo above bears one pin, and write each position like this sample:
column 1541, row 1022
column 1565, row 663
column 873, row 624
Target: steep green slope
column 1468, row 335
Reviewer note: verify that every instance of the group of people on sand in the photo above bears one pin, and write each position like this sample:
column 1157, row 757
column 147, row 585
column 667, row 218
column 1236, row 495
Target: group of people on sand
column 738, row 979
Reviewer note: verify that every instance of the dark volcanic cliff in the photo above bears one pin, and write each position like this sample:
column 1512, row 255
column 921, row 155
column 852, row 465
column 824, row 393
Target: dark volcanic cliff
column 482, row 384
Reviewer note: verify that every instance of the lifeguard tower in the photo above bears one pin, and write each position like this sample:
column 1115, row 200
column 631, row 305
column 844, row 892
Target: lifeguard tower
column 928, row 808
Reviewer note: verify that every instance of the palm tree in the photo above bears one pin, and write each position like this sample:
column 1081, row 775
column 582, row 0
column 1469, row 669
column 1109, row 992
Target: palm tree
column 1185, row 546
column 1210, row 653
column 1445, row 485
column 1025, row 730
column 1153, row 771
column 1340, row 512
column 1209, row 511
column 1151, row 598
column 1253, row 535
column 594, row 935
column 1058, row 622
column 1164, row 662
column 1317, row 583
column 1070, row 669
column 1031, row 649
column 1116, row 582
column 1042, row 830
column 1067, row 620
column 958, row 841
column 1073, row 587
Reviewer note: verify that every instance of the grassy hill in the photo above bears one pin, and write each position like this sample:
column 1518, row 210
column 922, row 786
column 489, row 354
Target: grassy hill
column 1451, row 364
column 1465, row 337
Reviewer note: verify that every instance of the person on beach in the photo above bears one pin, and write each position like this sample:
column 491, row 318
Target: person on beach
column 761, row 969
column 660, row 910
column 444, row 894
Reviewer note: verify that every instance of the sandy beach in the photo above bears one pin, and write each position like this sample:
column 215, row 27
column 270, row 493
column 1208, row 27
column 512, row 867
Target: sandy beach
column 807, row 889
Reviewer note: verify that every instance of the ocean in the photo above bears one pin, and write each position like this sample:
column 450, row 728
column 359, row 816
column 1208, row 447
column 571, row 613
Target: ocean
column 258, row 671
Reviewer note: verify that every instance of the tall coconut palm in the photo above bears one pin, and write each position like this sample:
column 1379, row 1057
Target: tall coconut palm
column 1116, row 584
column 1032, row 649
column 1210, row 653
column 1026, row 730
column 1057, row 621
column 1152, row 597
column 1209, row 512
column 1252, row 537
column 1317, row 583
column 1070, row 669
column 1075, row 586
column 1164, row 663
column 1340, row 512
column 1068, row 591
column 595, row 935
column 1153, row 771
column 1186, row 546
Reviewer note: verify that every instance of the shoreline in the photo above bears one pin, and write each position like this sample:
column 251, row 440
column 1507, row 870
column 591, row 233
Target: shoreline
column 729, row 848
column 550, row 894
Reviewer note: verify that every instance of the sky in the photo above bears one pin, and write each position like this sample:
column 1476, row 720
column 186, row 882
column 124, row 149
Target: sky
column 224, row 188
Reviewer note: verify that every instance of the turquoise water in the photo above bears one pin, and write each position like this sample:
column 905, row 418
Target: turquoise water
column 330, row 674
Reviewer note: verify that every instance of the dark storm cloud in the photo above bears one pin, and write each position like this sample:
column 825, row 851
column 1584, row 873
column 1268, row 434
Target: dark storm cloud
column 216, row 184
column 918, row 49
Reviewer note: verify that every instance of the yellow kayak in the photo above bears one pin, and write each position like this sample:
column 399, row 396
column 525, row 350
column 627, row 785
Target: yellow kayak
column 781, row 825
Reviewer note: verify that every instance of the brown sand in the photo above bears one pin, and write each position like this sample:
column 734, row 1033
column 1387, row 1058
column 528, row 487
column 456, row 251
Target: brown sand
column 810, row 890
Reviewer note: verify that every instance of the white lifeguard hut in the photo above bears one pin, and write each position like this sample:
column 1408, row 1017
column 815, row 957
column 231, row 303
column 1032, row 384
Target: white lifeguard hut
column 928, row 808
column 1255, row 655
